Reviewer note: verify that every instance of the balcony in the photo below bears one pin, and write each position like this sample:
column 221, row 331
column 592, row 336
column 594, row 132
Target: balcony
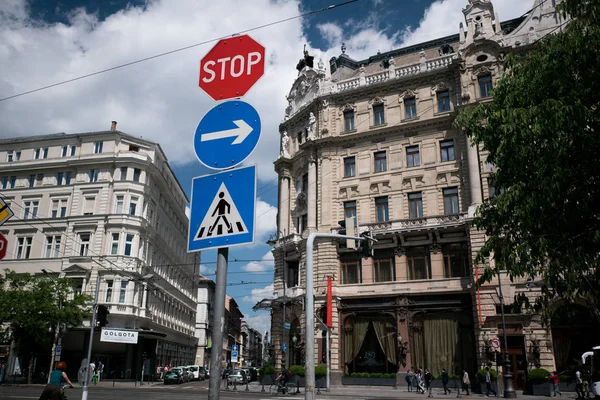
column 421, row 286
column 416, row 224
column 287, row 240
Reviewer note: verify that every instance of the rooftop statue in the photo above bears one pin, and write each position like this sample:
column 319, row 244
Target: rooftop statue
column 307, row 61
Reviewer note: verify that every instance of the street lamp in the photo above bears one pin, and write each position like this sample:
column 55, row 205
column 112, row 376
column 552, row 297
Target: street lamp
column 509, row 392
column 54, row 342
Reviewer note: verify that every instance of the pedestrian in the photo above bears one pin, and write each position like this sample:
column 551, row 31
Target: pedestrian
column 554, row 380
column 409, row 380
column 100, row 370
column 465, row 381
column 579, row 385
column 428, row 379
column 58, row 377
column 488, row 383
column 445, row 380
column 419, row 376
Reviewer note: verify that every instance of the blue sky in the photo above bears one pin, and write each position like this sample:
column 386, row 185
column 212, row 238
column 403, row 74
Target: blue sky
column 47, row 41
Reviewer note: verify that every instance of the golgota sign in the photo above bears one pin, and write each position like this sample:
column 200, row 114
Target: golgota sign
column 118, row 336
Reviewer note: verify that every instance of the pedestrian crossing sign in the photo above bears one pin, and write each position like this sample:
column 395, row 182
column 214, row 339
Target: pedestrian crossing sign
column 222, row 209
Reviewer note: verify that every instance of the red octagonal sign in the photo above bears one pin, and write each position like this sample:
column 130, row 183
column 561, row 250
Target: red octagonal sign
column 3, row 245
column 232, row 67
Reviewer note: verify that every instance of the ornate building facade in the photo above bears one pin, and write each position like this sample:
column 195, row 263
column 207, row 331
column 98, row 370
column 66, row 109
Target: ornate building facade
column 372, row 143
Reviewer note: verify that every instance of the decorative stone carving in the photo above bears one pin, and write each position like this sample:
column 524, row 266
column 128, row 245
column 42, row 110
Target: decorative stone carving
column 376, row 100
column 481, row 71
column 285, row 145
column 362, row 69
column 347, row 107
column 403, row 301
column 311, row 127
column 436, row 249
column 407, row 94
column 439, row 87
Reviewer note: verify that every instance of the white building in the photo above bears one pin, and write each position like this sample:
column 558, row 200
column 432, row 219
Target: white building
column 106, row 203
column 204, row 317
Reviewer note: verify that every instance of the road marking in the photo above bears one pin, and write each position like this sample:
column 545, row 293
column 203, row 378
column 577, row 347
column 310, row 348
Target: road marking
column 20, row 397
column 187, row 387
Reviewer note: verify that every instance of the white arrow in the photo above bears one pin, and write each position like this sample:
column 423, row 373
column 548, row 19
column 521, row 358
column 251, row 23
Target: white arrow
column 242, row 131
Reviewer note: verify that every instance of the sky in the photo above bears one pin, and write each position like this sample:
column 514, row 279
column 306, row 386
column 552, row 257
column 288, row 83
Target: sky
column 43, row 42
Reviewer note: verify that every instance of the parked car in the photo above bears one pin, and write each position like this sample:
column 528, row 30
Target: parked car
column 225, row 373
column 195, row 372
column 173, row 376
column 238, row 376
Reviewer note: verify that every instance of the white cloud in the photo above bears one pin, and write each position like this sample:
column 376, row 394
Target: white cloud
column 266, row 263
column 258, row 294
column 266, row 223
column 331, row 32
column 204, row 270
column 443, row 17
column 261, row 321
column 158, row 99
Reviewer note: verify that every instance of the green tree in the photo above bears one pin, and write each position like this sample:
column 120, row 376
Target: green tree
column 541, row 132
column 33, row 306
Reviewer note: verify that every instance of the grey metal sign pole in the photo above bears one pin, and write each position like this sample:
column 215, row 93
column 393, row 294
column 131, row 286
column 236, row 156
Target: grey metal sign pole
column 218, row 325
column 309, row 388
column 84, row 392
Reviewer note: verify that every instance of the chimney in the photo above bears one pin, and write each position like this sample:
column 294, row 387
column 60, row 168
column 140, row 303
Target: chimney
column 113, row 126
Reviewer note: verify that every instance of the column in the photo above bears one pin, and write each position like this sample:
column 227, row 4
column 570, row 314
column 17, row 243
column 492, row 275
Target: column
column 437, row 262
column 312, row 193
column 284, row 205
column 474, row 175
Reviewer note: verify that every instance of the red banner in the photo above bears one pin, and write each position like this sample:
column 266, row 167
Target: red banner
column 329, row 321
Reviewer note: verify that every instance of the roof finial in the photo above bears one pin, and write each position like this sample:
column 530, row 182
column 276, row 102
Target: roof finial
column 343, row 48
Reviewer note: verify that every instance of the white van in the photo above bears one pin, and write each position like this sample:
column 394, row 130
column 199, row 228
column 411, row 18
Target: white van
column 195, row 372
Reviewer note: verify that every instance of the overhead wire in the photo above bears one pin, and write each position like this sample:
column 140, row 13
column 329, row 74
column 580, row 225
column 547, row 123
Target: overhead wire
column 166, row 53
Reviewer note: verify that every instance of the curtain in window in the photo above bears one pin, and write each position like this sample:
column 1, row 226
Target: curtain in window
column 418, row 356
column 385, row 332
column 441, row 340
column 354, row 340
column 562, row 348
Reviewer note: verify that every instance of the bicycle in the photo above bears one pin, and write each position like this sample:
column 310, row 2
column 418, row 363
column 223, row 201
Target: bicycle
column 288, row 388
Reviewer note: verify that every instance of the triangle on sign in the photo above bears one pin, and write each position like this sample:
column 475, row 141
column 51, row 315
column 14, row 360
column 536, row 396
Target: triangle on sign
column 222, row 217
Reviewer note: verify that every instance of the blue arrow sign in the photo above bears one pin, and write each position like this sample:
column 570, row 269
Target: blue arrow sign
column 222, row 209
column 284, row 347
column 227, row 134
column 234, row 347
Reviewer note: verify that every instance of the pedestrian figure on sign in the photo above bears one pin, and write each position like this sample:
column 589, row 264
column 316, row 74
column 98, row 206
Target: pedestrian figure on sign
column 488, row 383
column 409, row 380
column 428, row 379
column 465, row 381
column 223, row 208
column 445, row 379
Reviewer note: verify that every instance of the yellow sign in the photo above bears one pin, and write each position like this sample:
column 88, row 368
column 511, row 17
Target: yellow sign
column 5, row 212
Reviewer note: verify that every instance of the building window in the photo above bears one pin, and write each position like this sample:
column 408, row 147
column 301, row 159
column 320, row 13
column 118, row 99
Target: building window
column 63, row 151
column 52, row 246
column 350, row 271
column 128, row 244
column 93, row 175
column 136, row 174
column 12, row 182
column 451, row 201
column 13, row 155
column 59, row 208
column 31, row 181
column 303, row 222
column 348, row 121
column 413, row 157
column 134, row 148
column 123, row 173
column 378, row 114
column 300, row 137
column 89, row 205
column 133, row 205
column 493, row 190
column 31, row 209
column 418, row 262
column 383, row 266
column 415, row 205
column 350, row 210
column 60, row 176
column 40, row 153
column 410, row 108
column 109, row 289
column 485, row 85
column 97, row 147
column 443, row 99
column 293, row 273
column 381, row 204
column 305, row 183
column 5, row 182
column 114, row 244
column 84, row 244
column 380, row 161
column 456, row 260
column 119, row 204
column 447, row 150
column 123, row 291
column 24, row 247
column 68, row 178
column 349, row 167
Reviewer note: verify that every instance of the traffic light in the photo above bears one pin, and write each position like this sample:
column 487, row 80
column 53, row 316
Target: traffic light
column 366, row 248
column 101, row 315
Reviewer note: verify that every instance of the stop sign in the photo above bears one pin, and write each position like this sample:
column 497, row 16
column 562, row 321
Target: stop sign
column 3, row 246
column 232, row 67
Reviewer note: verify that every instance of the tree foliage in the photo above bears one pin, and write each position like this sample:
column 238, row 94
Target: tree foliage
column 33, row 306
column 541, row 132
